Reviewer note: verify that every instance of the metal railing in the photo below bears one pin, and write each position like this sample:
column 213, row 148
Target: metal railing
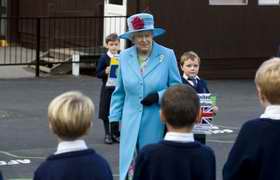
column 52, row 40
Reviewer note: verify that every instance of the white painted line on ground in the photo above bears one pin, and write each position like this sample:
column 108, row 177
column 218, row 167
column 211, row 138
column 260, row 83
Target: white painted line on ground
column 15, row 162
column 227, row 127
column 16, row 156
column 222, row 131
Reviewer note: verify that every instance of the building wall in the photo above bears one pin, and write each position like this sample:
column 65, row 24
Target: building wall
column 60, row 31
column 231, row 40
column 221, row 35
column 35, row 8
column 219, row 31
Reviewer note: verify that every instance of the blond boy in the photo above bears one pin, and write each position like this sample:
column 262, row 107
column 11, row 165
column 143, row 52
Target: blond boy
column 70, row 116
column 255, row 153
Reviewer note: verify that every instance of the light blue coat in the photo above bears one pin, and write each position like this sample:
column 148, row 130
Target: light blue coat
column 141, row 125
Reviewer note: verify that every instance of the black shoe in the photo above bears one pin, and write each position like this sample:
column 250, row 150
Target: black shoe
column 116, row 139
column 108, row 139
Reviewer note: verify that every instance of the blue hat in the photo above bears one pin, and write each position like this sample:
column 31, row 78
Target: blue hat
column 141, row 22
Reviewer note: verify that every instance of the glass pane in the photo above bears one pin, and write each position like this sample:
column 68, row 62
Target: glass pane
column 3, row 22
column 117, row 2
column 228, row 2
column 269, row 2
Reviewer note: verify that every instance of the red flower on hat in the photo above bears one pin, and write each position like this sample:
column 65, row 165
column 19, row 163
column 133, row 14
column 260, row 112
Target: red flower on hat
column 137, row 23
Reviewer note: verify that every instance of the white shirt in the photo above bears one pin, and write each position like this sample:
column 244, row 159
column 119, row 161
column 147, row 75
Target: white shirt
column 111, row 54
column 179, row 137
column 272, row 112
column 187, row 78
column 70, row 146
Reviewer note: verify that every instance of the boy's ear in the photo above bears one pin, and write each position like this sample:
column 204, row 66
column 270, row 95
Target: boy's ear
column 50, row 127
column 181, row 67
column 198, row 117
column 87, row 131
column 162, row 117
column 262, row 98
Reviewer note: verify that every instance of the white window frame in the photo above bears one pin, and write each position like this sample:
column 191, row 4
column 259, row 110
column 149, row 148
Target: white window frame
column 271, row 3
column 228, row 3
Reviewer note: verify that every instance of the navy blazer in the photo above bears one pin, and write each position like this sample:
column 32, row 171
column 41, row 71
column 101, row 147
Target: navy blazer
column 255, row 153
column 103, row 63
column 168, row 160
column 201, row 85
column 76, row 165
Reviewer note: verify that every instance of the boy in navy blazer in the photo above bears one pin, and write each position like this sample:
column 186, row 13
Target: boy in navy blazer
column 190, row 63
column 103, row 68
column 255, row 153
column 70, row 116
column 178, row 156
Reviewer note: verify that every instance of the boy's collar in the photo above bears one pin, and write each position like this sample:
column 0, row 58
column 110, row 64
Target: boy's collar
column 272, row 112
column 186, row 77
column 70, row 146
column 179, row 137
column 110, row 54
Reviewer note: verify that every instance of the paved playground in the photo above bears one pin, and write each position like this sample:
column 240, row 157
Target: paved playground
column 25, row 140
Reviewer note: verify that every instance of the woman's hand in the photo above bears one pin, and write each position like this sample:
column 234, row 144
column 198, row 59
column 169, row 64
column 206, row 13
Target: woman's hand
column 215, row 110
column 150, row 99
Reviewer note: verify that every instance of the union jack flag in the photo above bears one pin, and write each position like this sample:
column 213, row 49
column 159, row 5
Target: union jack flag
column 207, row 114
column 206, row 105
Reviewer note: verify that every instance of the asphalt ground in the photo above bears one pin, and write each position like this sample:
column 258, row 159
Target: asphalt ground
column 25, row 140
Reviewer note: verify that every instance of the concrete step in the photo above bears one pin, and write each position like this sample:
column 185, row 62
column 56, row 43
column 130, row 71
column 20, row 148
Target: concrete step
column 55, row 60
column 62, row 53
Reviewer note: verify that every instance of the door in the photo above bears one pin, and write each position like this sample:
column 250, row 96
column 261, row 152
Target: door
column 115, row 24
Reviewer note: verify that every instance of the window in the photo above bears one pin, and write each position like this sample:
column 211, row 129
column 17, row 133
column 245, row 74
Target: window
column 116, row 2
column 269, row 2
column 228, row 2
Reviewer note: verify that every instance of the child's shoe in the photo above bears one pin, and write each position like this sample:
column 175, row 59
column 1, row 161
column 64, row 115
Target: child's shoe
column 108, row 139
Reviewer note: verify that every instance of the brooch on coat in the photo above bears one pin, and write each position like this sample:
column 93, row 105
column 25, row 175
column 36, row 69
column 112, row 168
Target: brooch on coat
column 161, row 57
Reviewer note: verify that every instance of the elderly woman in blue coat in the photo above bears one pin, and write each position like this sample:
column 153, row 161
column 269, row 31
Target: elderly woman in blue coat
column 146, row 70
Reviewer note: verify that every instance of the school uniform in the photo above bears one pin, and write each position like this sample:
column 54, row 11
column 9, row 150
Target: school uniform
column 200, row 86
column 178, row 157
column 255, row 153
column 105, row 94
column 72, row 161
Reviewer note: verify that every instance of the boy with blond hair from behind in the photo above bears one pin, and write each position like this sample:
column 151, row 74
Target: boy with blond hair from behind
column 70, row 116
column 255, row 153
